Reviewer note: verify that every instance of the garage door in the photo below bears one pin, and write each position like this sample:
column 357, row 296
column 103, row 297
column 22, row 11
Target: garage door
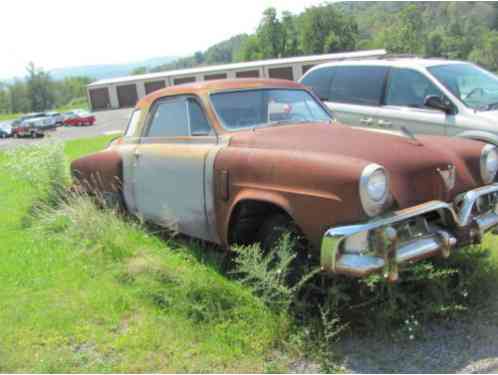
column 281, row 73
column 99, row 98
column 127, row 96
column 154, row 86
column 248, row 74
column 211, row 77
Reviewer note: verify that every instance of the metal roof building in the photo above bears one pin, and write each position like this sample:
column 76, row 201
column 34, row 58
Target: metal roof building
column 125, row 91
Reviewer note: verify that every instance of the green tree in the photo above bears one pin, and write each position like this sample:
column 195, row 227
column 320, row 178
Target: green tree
column 139, row 70
column 19, row 97
column 405, row 35
column 323, row 29
column 250, row 50
column 290, row 40
column 39, row 88
column 270, row 34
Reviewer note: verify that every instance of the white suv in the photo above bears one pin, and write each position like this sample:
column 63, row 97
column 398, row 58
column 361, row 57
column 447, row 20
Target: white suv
column 426, row 96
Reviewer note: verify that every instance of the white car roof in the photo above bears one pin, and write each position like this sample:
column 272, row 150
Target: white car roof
column 394, row 62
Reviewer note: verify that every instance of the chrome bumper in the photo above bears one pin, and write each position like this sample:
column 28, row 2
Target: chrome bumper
column 462, row 227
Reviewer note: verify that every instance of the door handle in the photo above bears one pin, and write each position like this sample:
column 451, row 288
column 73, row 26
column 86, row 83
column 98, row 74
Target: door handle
column 385, row 124
column 366, row 121
column 136, row 153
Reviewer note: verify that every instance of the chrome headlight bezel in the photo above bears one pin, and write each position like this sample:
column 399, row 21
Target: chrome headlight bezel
column 488, row 174
column 373, row 204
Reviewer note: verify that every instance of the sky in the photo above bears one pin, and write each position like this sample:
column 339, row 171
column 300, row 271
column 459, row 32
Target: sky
column 55, row 34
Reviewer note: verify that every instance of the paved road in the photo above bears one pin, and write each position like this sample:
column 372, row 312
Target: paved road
column 108, row 122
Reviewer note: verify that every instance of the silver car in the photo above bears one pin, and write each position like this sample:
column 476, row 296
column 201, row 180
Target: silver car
column 425, row 96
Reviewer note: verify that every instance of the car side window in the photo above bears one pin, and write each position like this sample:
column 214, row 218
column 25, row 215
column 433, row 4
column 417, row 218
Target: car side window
column 199, row 124
column 319, row 81
column 409, row 88
column 169, row 119
column 362, row 85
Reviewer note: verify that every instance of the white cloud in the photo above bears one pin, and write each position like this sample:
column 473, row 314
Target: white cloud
column 58, row 33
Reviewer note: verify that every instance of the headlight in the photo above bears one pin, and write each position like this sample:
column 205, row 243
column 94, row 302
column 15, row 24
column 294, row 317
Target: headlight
column 489, row 163
column 374, row 189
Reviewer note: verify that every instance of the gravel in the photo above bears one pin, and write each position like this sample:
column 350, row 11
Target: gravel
column 443, row 347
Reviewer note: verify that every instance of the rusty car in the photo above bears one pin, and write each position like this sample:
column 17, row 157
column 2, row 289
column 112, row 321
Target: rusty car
column 235, row 161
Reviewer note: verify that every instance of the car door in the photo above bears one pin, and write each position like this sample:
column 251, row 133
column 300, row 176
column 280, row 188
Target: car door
column 355, row 94
column 173, row 177
column 403, row 104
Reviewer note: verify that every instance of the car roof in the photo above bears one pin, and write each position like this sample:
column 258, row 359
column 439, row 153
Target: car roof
column 206, row 87
column 393, row 62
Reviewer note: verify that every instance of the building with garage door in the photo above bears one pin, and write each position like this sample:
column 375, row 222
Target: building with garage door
column 124, row 92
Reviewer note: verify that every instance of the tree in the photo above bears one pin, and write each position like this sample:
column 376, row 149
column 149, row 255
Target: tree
column 250, row 50
column 19, row 98
column 39, row 88
column 270, row 34
column 290, row 40
column 487, row 53
column 323, row 29
column 139, row 70
column 405, row 35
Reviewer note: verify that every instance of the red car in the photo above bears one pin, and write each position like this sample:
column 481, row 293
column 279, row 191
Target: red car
column 78, row 118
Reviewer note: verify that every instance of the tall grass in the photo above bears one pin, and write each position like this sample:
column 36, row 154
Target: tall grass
column 85, row 290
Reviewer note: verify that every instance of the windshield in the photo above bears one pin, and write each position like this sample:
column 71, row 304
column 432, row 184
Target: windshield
column 475, row 87
column 251, row 108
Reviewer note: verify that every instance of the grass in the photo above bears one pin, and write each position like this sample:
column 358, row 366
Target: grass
column 85, row 291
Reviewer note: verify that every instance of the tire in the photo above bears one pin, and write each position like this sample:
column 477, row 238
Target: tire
column 271, row 233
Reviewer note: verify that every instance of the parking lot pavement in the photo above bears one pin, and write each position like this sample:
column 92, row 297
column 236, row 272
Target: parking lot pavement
column 107, row 122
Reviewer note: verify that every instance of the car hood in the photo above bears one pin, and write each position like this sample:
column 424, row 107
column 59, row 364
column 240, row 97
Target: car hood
column 490, row 116
column 412, row 165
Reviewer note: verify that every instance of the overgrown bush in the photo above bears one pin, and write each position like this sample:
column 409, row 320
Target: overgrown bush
column 433, row 289
column 42, row 166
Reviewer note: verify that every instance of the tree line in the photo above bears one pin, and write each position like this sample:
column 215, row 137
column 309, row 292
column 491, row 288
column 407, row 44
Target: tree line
column 39, row 92
column 455, row 30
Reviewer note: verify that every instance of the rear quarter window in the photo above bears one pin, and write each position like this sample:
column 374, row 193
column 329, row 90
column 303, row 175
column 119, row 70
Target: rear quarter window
column 362, row 85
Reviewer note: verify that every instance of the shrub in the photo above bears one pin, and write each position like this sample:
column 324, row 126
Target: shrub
column 42, row 167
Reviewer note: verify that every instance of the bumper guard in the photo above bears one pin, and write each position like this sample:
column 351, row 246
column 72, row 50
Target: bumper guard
column 462, row 227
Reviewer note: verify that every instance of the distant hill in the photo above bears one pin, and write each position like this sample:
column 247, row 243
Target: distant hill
column 103, row 71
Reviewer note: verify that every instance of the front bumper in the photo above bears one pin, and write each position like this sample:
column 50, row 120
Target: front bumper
column 410, row 234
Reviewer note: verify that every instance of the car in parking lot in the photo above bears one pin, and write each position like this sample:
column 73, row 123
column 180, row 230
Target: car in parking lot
column 79, row 117
column 38, row 120
column 28, row 128
column 57, row 118
column 241, row 161
column 5, row 129
column 425, row 96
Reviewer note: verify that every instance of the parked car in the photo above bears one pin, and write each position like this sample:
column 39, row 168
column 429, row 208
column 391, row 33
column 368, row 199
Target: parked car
column 5, row 129
column 426, row 96
column 37, row 120
column 57, row 118
column 28, row 128
column 78, row 118
column 236, row 161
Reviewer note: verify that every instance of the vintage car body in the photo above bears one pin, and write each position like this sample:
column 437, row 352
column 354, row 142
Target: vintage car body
column 221, row 184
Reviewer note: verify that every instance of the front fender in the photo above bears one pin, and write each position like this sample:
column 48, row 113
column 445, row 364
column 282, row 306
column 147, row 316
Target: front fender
column 316, row 190
column 101, row 172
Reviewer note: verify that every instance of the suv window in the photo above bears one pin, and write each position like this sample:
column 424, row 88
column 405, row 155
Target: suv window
column 169, row 119
column 199, row 124
column 358, row 84
column 319, row 80
column 409, row 88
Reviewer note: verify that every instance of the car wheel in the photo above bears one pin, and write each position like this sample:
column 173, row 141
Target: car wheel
column 271, row 233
